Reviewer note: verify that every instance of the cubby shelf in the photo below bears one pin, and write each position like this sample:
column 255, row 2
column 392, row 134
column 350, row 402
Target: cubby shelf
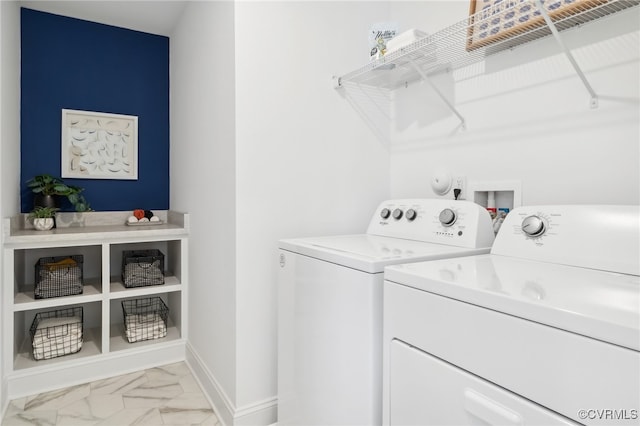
column 100, row 237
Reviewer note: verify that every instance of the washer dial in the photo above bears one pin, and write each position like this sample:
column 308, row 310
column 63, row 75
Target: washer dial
column 447, row 217
column 411, row 215
column 397, row 214
column 385, row 213
column 533, row 226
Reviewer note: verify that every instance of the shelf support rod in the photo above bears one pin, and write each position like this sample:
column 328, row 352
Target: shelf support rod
column 443, row 97
column 568, row 54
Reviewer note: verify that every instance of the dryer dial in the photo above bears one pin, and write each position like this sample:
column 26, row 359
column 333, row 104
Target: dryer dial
column 385, row 213
column 533, row 226
column 397, row 214
column 447, row 217
column 411, row 215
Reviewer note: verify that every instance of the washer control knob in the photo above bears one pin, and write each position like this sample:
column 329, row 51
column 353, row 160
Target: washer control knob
column 447, row 217
column 533, row 226
column 397, row 214
column 411, row 215
column 385, row 213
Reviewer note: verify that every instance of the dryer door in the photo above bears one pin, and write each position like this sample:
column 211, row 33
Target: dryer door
column 425, row 390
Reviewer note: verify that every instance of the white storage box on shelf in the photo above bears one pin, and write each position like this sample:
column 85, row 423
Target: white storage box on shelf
column 100, row 238
column 404, row 39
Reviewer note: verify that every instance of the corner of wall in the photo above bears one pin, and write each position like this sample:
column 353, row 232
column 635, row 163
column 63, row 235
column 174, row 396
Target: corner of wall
column 222, row 405
column 9, row 135
column 9, row 106
column 260, row 413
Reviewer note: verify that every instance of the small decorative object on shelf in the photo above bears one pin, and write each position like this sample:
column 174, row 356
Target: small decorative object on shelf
column 58, row 276
column 143, row 217
column 56, row 333
column 379, row 36
column 43, row 217
column 46, row 188
column 145, row 319
column 142, row 268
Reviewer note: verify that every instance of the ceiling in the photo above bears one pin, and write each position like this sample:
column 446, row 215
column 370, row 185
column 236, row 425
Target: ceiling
column 156, row 17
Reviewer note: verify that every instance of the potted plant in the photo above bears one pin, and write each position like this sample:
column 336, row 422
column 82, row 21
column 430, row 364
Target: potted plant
column 46, row 188
column 42, row 217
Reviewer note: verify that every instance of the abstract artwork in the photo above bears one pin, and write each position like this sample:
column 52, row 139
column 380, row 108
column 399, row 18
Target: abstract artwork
column 492, row 21
column 97, row 145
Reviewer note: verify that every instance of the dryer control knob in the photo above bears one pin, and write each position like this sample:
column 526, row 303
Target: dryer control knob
column 447, row 217
column 533, row 226
column 385, row 213
column 397, row 214
column 411, row 215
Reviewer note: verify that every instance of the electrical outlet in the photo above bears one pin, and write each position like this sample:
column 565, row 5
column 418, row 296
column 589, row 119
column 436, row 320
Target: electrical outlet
column 460, row 182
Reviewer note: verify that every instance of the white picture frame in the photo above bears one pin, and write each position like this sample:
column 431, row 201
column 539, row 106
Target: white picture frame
column 98, row 145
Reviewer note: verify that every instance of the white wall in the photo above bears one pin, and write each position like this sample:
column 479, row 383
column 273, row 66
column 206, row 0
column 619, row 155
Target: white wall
column 9, row 128
column 306, row 162
column 528, row 115
column 203, row 181
column 9, row 107
column 283, row 156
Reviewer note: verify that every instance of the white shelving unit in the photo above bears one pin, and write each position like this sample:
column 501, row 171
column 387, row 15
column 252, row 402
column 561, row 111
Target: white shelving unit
column 100, row 237
column 454, row 47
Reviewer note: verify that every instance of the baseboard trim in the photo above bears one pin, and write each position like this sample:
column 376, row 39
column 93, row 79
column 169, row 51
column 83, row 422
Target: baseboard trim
column 4, row 399
column 259, row 413
column 222, row 405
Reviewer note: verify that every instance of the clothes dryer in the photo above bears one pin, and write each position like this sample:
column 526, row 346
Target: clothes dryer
column 330, row 305
column 543, row 330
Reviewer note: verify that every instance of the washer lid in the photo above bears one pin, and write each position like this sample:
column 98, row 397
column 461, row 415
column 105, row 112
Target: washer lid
column 599, row 304
column 371, row 253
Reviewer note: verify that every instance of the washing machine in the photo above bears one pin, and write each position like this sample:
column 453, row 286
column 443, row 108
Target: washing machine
column 543, row 330
column 330, row 305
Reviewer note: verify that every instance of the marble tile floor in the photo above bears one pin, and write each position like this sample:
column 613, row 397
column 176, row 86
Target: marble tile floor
column 167, row 395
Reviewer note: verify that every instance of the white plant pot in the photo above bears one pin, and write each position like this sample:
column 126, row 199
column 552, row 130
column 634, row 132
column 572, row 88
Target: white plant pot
column 43, row 223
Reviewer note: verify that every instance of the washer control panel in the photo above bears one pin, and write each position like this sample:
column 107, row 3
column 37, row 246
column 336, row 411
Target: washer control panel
column 591, row 236
column 458, row 223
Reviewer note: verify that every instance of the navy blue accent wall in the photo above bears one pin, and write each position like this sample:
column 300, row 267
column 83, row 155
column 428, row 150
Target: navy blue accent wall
column 75, row 64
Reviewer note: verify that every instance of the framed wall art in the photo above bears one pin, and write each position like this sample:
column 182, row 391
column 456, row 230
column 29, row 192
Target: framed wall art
column 492, row 21
column 98, row 145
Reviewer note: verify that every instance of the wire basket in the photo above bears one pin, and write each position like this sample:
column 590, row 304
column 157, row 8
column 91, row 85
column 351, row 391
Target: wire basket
column 58, row 276
column 145, row 319
column 56, row 333
column 142, row 268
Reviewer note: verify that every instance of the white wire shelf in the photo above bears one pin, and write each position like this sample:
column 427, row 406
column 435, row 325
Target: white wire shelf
column 459, row 45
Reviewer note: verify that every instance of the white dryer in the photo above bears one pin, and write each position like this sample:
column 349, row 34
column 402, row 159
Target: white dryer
column 543, row 330
column 330, row 305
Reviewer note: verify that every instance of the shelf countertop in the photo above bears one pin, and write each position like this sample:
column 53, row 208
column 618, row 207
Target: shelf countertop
column 92, row 227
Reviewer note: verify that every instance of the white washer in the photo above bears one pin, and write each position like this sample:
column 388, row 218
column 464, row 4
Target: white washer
column 330, row 305
column 543, row 330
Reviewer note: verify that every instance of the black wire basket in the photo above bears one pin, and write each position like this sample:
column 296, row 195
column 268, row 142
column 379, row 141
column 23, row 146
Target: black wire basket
column 145, row 319
column 142, row 268
column 57, row 333
column 58, row 276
